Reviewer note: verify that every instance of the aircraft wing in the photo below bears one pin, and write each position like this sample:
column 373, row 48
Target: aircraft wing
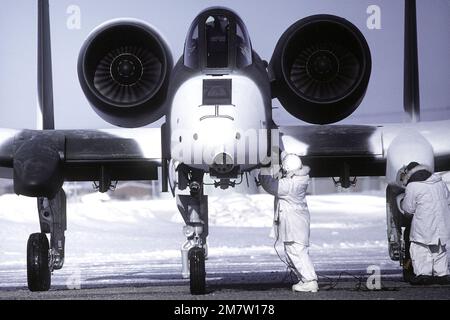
column 85, row 155
column 362, row 149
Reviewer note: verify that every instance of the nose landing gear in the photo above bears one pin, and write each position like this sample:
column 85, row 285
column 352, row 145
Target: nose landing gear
column 194, row 210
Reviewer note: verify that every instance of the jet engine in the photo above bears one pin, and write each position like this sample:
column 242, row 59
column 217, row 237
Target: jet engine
column 124, row 68
column 321, row 68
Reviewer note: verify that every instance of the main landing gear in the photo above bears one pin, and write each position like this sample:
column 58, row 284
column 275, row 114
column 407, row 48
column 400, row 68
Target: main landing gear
column 194, row 209
column 44, row 257
column 398, row 229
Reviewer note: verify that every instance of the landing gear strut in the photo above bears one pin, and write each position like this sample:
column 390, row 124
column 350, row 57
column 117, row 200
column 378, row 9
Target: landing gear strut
column 194, row 209
column 43, row 258
column 398, row 229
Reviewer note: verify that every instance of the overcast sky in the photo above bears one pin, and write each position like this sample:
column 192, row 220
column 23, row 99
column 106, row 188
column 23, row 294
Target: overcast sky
column 266, row 21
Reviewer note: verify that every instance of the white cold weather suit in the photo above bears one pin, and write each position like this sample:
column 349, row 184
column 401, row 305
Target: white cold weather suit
column 292, row 219
column 429, row 202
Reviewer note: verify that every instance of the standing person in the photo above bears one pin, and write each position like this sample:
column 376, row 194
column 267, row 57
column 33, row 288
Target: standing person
column 292, row 219
column 427, row 198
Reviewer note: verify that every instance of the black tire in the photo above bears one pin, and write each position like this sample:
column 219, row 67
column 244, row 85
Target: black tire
column 38, row 270
column 197, row 271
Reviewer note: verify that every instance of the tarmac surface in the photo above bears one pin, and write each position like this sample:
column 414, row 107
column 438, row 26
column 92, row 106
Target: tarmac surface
column 247, row 285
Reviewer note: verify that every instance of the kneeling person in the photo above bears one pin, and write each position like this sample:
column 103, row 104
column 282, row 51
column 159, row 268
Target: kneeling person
column 427, row 198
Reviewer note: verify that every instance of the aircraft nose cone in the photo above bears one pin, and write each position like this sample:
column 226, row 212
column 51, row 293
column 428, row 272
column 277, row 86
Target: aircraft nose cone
column 223, row 163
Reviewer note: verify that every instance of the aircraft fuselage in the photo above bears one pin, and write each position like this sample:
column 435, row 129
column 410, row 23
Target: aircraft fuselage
column 219, row 116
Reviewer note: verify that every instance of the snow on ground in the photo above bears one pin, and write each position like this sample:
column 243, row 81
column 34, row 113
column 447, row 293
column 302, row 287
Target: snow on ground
column 110, row 237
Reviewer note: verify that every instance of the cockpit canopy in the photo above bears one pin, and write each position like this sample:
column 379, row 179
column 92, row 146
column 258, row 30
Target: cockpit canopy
column 217, row 42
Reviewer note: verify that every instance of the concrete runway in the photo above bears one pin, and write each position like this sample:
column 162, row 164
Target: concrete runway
column 238, row 286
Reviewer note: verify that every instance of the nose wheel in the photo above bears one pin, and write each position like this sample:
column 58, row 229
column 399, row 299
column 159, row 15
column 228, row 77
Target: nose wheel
column 197, row 271
column 38, row 269
column 194, row 210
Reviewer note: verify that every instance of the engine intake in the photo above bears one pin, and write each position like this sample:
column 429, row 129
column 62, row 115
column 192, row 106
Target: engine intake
column 124, row 68
column 321, row 67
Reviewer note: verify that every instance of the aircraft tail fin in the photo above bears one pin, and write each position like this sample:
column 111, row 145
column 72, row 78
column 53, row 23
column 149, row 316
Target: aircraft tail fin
column 411, row 89
column 45, row 81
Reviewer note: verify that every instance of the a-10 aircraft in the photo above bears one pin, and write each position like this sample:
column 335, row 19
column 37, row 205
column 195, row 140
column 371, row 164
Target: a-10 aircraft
column 217, row 101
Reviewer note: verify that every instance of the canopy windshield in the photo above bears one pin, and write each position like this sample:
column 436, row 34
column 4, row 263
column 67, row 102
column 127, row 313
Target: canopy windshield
column 217, row 40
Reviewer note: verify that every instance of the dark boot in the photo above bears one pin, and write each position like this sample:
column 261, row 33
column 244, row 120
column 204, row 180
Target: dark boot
column 422, row 280
column 408, row 271
column 444, row 280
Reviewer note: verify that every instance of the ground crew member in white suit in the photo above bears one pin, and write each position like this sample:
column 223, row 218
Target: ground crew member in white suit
column 427, row 198
column 292, row 219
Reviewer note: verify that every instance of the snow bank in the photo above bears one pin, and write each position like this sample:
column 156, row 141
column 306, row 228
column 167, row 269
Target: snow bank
column 109, row 237
column 231, row 210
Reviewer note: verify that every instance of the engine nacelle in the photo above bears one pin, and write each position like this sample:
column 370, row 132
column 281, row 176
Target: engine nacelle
column 124, row 68
column 321, row 68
